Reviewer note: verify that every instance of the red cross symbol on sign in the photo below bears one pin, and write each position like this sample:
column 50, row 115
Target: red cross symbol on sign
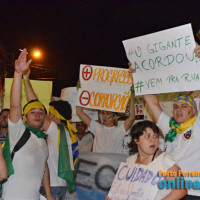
column 84, row 98
column 87, row 72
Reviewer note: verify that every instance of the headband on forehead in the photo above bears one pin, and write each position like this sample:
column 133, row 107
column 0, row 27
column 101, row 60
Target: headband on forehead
column 31, row 105
column 61, row 109
column 54, row 112
column 186, row 99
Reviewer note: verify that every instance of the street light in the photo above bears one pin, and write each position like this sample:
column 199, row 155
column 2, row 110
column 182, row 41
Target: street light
column 36, row 54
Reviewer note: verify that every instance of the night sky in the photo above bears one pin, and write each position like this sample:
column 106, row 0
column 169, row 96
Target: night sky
column 70, row 33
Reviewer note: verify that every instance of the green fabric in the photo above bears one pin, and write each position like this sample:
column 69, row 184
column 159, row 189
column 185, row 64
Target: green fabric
column 7, row 158
column 64, row 168
column 172, row 132
column 37, row 132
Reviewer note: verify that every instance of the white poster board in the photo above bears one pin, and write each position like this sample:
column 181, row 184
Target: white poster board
column 134, row 182
column 104, row 88
column 70, row 94
column 164, row 61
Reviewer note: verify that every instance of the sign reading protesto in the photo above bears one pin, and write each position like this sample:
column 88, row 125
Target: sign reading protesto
column 104, row 88
column 164, row 61
column 134, row 182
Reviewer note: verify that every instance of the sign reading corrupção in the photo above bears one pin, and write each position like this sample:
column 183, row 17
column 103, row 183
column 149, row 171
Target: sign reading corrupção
column 104, row 88
column 164, row 61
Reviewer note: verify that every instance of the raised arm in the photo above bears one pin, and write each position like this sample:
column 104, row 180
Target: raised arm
column 30, row 94
column 3, row 168
column 130, row 120
column 151, row 101
column 153, row 105
column 83, row 116
column 21, row 65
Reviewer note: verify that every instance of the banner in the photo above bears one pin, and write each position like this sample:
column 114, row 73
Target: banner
column 70, row 94
column 164, row 61
column 95, row 174
column 104, row 88
column 134, row 182
column 43, row 90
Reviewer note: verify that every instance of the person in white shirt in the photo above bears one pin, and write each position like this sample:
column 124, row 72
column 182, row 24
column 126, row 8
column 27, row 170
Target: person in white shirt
column 85, row 138
column 62, row 144
column 108, row 138
column 144, row 151
column 29, row 163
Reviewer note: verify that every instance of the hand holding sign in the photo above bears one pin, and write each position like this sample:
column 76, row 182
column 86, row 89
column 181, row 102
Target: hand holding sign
column 197, row 50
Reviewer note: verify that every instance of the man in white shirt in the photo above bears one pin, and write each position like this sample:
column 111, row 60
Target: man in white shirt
column 30, row 167
column 108, row 138
column 85, row 138
column 62, row 144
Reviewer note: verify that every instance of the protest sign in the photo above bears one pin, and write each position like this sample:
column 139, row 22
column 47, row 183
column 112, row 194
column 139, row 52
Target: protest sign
column 139, row 109
column 43, row 90
column 70, row 94
column 134, row 182
column 104, row 88
column 95, row 174
column 164, row 61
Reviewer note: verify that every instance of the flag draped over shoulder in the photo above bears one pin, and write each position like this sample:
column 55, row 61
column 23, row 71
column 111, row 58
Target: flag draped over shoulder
column 68, row 155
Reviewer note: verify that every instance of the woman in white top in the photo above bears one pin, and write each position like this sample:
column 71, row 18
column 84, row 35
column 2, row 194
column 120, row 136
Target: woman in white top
column 144, row 151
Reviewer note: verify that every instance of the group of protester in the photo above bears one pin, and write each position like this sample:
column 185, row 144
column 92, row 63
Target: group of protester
column 40, row 148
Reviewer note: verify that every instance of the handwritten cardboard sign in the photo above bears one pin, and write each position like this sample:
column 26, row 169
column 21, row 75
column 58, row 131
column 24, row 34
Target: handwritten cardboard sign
column 70, row 94
column 164, row 61
column 134, row 182
column 104, row 88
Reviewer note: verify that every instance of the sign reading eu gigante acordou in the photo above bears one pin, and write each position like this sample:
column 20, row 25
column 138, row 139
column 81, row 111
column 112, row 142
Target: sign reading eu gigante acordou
column 104, row 88
column 164, row 61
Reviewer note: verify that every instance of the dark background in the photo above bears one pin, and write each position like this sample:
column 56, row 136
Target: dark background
column 70, row 33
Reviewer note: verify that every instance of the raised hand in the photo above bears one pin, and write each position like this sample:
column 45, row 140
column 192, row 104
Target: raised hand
column 131, row 69
column 21, row 64
column 197, row 50
column 26, row 74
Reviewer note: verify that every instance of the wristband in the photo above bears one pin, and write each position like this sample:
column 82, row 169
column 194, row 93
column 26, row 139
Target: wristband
column 25, row 80
column 46, row 195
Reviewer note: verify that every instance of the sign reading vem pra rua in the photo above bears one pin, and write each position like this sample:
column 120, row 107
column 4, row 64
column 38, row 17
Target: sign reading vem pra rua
column 164, row 61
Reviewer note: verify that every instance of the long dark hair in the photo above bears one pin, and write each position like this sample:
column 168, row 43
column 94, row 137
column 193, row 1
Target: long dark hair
column 137, row 130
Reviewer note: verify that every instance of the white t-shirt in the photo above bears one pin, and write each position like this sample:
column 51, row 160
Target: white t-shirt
column 185, row 149
column 52, row 142
column 163, row 162
column 107, row 139
column 86, row 143
column 28, row 163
